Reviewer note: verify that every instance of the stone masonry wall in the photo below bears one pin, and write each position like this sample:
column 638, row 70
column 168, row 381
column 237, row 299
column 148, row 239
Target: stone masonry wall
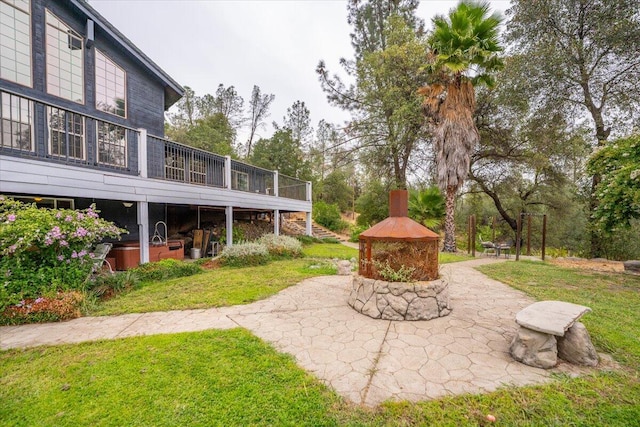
column 398, row 300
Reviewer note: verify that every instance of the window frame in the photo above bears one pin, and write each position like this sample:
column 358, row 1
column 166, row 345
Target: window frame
column 64, row 132
column 125, row 147
column 48, row 75
column 118, row 68
column 30, row 122
column 30, row 40
column 235, row 175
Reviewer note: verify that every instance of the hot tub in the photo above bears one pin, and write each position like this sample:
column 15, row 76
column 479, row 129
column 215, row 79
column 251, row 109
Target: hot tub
column 127, row 254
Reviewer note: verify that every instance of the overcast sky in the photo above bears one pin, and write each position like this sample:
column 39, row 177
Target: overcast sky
column 273, row 44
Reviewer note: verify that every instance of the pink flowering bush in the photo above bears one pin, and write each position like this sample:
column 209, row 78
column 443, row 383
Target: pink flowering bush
column 44, row 251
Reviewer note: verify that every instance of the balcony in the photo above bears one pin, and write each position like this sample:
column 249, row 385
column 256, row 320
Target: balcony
column 34, row 129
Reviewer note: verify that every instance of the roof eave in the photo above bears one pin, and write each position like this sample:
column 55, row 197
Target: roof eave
column 173, row 91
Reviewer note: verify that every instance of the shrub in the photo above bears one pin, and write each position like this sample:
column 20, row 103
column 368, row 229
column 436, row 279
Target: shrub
column 165, row 269
column 245, row 254
column 282, row 246
column 330, row 240
column 307, row 240
column 388, row 273
column 328, row 216
column 43, row 251
column 356, row 231
column 62, row 306
column 107, row 285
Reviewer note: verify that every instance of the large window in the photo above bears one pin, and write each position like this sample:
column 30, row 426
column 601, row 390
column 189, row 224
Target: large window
column 15, row 41
column 111, row 91
column 65, row 61
column 112, row 145
column 17, row 122
column 66, row 134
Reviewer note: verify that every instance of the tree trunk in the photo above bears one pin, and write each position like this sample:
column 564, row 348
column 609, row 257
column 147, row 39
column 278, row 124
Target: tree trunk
column 449, row 221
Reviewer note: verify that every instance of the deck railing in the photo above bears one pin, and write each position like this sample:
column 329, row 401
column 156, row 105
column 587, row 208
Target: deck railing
column 252, row 179
column 292, row 188
column 33, row 128
column 177, row 162
column 36, row 129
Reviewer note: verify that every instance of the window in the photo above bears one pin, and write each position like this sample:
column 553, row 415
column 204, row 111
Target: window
column 239, row 181
column 16, row 123
column 111, row 91
column 66, row 134
column 174, row 164
column 198, row 170
column 65, row 61
column 15, row 41
column 112, row 145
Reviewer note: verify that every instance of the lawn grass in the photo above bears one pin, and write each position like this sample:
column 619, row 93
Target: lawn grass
column 223, row 378
column 231, row 378
column 447, row 257
column 213, row 288
column 614, row 324
column 329, row 250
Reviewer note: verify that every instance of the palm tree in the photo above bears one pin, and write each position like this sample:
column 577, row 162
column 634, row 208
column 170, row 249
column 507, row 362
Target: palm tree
column 464, row 50
column 427, row 207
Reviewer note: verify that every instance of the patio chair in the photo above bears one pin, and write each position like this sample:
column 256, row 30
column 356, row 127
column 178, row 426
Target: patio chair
column 489, row 248
column 100, row 253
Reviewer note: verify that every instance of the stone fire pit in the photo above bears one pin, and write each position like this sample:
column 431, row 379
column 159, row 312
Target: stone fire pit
column 399, row 300
column 399, row 248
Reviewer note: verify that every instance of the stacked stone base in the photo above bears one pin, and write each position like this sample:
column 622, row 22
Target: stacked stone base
column 379, row 299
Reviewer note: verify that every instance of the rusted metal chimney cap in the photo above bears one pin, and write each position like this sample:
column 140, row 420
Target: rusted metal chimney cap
column 398, row 226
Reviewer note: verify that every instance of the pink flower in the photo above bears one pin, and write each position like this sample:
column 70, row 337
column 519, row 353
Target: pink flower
column 12, row 248
column 11, row 217
column 60, row 257
column 68, row 218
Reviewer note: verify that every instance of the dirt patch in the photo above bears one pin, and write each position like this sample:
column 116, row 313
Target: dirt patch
column 590, row 264
column 211, row 264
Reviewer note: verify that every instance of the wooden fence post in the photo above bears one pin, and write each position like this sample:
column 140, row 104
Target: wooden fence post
column 518, row 235
column 473, row 236
column 544, row 234
column 528, row 235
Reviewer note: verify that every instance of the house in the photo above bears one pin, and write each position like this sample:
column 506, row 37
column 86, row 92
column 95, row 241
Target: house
column 82, row 121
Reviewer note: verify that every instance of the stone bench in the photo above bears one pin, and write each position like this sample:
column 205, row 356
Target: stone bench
column 550, row 329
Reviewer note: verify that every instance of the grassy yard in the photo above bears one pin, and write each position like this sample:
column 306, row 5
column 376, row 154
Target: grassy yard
column 231, row 378
column 614, row 323
column 329, row 250
column 231, row 286
column 214, row 288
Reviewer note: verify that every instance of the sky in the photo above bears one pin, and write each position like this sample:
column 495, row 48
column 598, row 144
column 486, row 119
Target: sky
column 273, row 44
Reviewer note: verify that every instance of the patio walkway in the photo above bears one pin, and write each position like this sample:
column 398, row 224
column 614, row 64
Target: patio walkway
column 366, row 361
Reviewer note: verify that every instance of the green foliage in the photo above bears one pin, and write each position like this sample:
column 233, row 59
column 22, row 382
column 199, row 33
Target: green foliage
column 244, row 254
column 237, row 234
column 618, row 192
column 373, row 204
column 467, row 41
column 43, row 251
column 356, row 231
column 281, row 246
column 329, row 250
column 281, row 152
column 109, row 284
column 331, row 240
column 391, row 274
column 213, row 134
column 386, row 122
column 307, row 240
column 328, row 216
column 336, row 190
column 165, row 269
column 427, row 207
